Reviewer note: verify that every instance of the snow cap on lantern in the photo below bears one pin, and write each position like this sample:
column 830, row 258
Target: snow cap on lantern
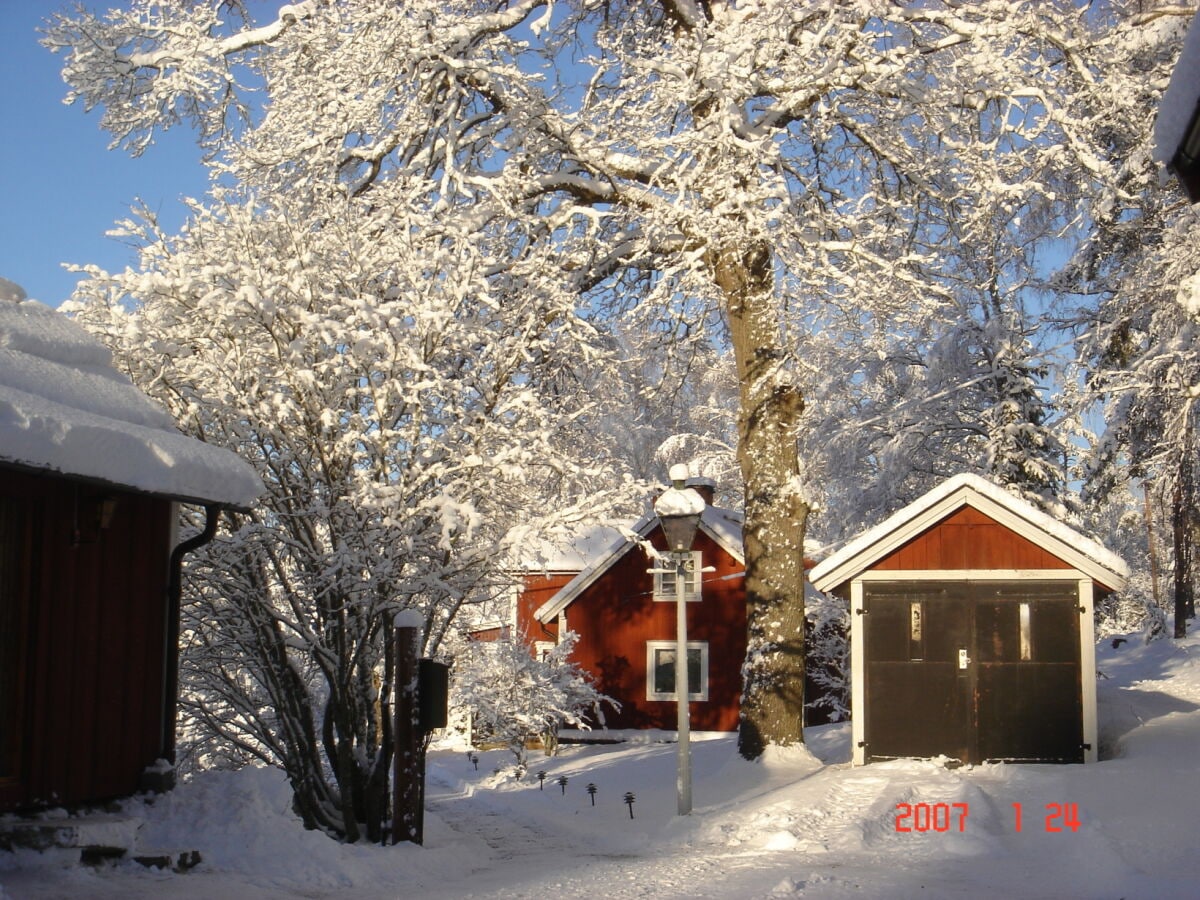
column 679, row 509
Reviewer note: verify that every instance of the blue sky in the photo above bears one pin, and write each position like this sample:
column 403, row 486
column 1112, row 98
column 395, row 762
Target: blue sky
column 62, row 187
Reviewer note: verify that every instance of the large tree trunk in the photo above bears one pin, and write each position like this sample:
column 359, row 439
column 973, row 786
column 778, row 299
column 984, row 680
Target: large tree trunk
column 773, row 687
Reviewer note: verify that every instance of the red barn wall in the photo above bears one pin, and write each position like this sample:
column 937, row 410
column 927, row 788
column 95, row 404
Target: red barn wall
column 93, row 617
column 968, row 539
column 488, row 635
column 617, row 615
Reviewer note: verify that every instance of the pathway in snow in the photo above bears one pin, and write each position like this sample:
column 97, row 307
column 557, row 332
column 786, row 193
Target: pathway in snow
column 526, row 855
column 745, row 840
column 475, row 815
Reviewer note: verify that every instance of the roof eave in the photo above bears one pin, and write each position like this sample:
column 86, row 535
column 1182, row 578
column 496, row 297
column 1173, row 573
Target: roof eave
column 173, row 496
column 570, row 591
column 912, row 521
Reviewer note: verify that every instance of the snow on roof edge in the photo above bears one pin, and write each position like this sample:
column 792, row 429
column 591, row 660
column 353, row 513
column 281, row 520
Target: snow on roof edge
column 1180, row 99
column 718, row 523
column 1085, row 546
column 81, row 418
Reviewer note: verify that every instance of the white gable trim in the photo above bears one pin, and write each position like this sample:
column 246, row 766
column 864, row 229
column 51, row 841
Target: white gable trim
column 570, row 591
column 1073, row 548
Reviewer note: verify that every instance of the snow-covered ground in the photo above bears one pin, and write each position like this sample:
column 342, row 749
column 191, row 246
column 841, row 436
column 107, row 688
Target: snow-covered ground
column 802, row 823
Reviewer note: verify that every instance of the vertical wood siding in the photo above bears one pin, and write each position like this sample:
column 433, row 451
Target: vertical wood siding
column 536, row 590
column 617, row 615
column 968, row 539
column 96, row 626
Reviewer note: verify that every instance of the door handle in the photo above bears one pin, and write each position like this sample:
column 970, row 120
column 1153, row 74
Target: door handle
column 963, row 659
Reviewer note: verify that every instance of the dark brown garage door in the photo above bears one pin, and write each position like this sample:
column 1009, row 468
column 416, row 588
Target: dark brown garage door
column 974, row 671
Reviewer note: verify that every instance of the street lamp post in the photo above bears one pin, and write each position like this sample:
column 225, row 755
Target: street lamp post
column 679, row 509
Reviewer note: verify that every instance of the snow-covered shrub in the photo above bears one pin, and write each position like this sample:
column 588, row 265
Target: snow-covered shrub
column 515, row 697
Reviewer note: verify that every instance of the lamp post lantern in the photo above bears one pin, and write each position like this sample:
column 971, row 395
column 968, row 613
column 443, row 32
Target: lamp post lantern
column 679, row 509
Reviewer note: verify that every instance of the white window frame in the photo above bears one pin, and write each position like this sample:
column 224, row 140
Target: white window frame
column 696, row 693
column 664, row 582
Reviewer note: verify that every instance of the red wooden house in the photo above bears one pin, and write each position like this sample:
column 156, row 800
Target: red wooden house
column 625, row 620
column 972, row 629
column 90, row 472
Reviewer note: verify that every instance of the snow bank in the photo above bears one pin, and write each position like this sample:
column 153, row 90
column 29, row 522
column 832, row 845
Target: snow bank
column 800, row 822
column 65, row 409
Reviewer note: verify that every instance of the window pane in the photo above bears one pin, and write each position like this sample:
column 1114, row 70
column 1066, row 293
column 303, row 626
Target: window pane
column 664, row 585
column 1026, row 643
column 693, row 658
column 664, row 671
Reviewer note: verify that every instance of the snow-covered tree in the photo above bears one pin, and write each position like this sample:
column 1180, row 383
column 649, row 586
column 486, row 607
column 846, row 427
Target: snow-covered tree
column 965, row 393
column 1137, row 352
column 694, row 167
column 1126, row 524
column 666, row 400
column 400, row 417
column 515, row 696
column 829, row 658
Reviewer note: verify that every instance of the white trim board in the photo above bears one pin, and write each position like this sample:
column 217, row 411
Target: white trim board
column 970, row 575
column 713, row 523
column 1076, row 550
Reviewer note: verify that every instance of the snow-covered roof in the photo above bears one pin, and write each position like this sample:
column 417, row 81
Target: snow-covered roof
column 1069, row 545
column 724, row 526
column 574, row 553
column 1181, row 98
column 64, row 408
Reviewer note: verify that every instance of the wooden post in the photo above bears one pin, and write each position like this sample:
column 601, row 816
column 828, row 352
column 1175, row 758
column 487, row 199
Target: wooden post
column 408, row 781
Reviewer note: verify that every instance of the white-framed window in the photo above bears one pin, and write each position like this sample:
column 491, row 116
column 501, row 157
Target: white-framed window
column 664, row 582
column 542, row 649
column 660, row 670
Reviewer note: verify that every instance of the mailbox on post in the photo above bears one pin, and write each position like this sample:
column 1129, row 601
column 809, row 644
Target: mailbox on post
column 433, row 693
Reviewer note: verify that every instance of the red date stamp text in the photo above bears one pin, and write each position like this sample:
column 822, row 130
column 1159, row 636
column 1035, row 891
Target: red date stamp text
column 943, row 817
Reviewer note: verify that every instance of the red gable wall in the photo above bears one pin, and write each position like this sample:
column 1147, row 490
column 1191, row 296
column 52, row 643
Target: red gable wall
column 617, row 615
column 535, row 591
column 968, row 539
